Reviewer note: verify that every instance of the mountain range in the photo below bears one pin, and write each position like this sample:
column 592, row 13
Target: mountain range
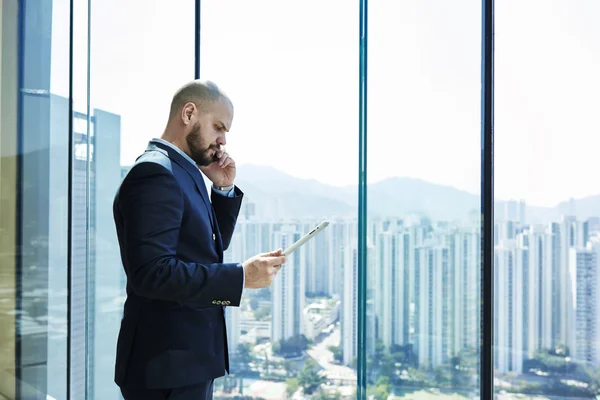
column 278, row 195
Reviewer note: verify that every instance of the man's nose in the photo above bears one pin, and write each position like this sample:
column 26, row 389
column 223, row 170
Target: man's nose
column 221, row 141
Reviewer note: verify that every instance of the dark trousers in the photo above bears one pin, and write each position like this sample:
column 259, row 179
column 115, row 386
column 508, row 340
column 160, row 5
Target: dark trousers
column 201, row 391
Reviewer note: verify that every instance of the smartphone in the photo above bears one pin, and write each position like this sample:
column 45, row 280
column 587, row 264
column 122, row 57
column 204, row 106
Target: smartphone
column 306, row 238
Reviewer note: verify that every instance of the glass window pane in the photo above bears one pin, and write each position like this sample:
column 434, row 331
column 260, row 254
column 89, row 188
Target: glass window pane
column 546, row 211
column 141, row 52
column 423, row 198
column 34, row 65
column 291, row 69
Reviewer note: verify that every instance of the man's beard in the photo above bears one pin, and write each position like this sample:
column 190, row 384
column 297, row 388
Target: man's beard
column 200, row 156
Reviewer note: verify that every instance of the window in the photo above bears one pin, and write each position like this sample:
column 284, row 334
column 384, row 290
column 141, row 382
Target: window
column 546, row 214
column 423, row 198
column 290, row 69
column 34, row 199
column 136, row 68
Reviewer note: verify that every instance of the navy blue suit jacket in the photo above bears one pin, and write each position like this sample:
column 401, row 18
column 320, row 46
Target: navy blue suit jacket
column 172, row 240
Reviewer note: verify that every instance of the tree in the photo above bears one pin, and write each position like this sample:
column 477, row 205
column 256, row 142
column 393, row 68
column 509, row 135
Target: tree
column 268, row 363
column 292, row 346
column 290, row 367
column 462, row 369
column 379, row 351
column 292, row 385
column 244, row 354
column 387, row 366
column 262, row 313
column 440, row 375
column 309, row 377
column 404, row 354
column 337, row 353
column 381, row 393
column 381, row 390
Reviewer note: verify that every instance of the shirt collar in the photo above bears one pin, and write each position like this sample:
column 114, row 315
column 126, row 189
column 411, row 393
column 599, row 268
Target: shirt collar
column 177, row 149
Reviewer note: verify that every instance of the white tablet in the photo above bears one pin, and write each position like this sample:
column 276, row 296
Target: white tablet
column 306, row 238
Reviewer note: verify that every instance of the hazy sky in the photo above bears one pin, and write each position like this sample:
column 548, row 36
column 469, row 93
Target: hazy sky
column 291, row 69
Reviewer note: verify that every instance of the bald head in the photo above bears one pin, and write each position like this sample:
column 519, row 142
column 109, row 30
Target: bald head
column 202, row 93
column 200, row 117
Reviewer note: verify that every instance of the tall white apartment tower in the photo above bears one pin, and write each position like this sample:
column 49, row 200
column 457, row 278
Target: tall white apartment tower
column 288, row 287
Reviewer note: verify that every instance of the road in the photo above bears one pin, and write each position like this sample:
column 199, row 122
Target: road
column 336, row 373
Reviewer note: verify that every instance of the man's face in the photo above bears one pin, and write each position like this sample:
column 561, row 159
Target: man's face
column 207, row 132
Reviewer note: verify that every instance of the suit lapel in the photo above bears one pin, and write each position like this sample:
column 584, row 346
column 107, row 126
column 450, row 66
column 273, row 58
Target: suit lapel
column 194, row 173
column 218, row 238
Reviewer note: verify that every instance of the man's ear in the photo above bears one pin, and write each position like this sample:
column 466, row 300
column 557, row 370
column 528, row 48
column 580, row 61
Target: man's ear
column 187, row 111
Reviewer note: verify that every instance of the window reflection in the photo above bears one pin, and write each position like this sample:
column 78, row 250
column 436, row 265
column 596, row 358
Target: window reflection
column 135, row 69
column 33, row 193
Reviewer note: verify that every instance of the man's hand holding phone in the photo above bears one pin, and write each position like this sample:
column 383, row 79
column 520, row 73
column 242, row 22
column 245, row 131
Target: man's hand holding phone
column 260, row 270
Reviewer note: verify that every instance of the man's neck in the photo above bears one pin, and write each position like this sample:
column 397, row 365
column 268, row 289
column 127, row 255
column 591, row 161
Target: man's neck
column 175, row 142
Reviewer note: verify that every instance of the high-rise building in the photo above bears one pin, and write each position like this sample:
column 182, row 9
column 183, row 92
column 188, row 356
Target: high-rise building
column 583, row 268
column 289, row 287
column 434, row 308
column 349, row 313
column 317, row 262
column 507, row 306
column 537, row 315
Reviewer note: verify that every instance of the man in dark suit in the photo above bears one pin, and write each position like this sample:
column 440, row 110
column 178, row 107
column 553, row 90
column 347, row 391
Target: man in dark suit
column 172, row 343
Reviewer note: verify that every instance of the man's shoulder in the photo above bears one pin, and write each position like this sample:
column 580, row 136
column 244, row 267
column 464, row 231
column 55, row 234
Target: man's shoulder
column 152, row 161
column 152, row 166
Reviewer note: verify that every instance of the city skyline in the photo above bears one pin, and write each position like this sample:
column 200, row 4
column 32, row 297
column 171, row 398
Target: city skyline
column 419, row 296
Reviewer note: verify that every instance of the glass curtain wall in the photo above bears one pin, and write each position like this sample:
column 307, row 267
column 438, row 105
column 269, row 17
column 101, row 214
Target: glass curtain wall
column 83, row 88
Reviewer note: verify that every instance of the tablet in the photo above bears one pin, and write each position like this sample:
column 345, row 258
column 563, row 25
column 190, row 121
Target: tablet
column 306, row 238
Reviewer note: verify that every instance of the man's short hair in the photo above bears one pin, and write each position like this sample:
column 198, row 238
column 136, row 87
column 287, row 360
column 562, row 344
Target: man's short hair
column 201, row 93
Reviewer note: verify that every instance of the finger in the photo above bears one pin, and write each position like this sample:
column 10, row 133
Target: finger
column 228, row 162
column 277, row 260
column 223, row 158
column 275, row 253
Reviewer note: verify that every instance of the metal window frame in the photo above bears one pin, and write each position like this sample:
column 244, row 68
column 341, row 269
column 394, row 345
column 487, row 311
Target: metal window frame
column 486, row 355
column 361, row 364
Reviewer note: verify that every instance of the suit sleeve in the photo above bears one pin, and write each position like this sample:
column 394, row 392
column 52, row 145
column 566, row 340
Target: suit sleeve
column 151, row 208
column 227, row 210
